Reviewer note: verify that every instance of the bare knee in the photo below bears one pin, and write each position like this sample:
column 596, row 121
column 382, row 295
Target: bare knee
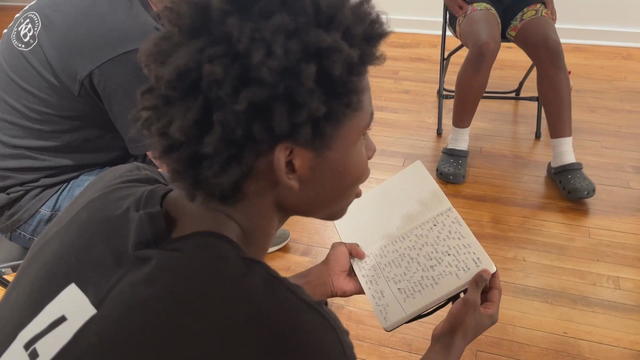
column 545, row 50
column 484, row 53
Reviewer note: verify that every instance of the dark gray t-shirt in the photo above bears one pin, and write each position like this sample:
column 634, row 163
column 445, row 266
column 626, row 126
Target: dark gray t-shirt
column 68, row 79
column 108, row 282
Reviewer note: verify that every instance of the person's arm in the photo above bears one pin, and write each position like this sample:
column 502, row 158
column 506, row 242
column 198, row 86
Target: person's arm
column 333, row 276
column 457, row 7
column 467, row 319
column 116, row 83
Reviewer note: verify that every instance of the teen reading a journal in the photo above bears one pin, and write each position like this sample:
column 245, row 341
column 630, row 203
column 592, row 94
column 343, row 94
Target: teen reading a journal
column 260, row 111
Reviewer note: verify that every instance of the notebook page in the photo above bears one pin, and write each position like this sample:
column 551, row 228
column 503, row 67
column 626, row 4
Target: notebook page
column 393, row 207
column 420, row 268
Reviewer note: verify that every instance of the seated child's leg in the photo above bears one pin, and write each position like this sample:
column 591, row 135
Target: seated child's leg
column 537, row 36
column 534, row 32
column 479, row 31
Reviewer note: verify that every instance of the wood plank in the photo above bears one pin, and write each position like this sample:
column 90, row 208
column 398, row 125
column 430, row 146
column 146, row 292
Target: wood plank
column 2, row 291
column 487, row 356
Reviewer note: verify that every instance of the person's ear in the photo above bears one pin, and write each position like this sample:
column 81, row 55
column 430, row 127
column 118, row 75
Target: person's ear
column 292, row 165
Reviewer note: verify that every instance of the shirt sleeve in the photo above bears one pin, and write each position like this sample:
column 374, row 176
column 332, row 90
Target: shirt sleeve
column 116, row 83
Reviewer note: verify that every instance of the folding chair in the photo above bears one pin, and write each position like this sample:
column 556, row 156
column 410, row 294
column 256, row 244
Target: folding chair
column 11, row 256
column 445, row 93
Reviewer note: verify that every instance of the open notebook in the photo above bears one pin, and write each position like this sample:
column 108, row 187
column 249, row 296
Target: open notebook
column 419, row 250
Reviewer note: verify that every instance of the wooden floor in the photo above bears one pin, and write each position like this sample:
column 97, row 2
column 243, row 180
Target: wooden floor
column 571, row 271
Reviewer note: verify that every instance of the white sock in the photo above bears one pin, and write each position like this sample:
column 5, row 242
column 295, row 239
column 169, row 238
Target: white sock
column 459, row 138
column 562, row 151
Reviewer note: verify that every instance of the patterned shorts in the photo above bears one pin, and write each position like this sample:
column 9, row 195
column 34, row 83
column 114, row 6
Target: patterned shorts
column 530, row 12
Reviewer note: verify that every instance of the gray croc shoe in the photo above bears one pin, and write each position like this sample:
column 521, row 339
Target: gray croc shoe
column 452, row 166
column 572, row 181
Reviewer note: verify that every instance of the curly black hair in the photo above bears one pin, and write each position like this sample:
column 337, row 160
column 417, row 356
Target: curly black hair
column 230, row 79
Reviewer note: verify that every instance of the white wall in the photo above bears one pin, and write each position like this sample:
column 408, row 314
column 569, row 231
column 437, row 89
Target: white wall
column 579, row 21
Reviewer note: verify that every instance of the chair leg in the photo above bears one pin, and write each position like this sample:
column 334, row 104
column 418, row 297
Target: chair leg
column 524, row 79
column 539, row 120
column 440, row 108
column 518, row 90
column 443, row 43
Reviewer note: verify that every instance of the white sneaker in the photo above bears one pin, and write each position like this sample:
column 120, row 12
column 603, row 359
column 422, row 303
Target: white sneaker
column 281, row 239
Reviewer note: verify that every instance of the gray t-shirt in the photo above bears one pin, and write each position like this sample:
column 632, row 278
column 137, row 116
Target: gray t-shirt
column 69, row 79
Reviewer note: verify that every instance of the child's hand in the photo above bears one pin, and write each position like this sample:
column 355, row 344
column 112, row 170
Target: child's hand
column 552, row 7
column 457, row 7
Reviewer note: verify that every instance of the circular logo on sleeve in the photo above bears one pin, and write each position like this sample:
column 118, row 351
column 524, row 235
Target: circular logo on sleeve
column 25, row 33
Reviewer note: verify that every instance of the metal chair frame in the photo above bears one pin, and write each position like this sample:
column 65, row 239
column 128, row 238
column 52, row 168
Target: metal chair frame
column 445, row 93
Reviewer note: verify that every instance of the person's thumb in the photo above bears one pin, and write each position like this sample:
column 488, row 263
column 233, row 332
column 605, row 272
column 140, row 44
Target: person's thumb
column 355, row 250
column 477, row 284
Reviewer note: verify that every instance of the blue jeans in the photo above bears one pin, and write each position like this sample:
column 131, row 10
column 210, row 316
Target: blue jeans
column 25, row 234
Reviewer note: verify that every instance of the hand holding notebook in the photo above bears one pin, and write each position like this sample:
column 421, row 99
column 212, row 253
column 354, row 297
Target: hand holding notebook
column 419, row 251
